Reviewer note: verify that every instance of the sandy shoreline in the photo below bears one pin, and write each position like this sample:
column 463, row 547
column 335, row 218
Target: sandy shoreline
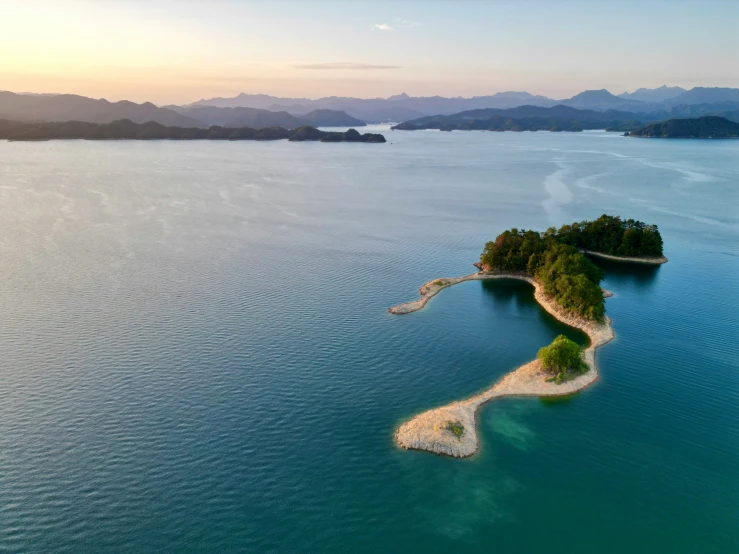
column 427, row 431
column 628, row 259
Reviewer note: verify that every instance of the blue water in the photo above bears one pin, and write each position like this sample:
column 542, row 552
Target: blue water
column 195, row 353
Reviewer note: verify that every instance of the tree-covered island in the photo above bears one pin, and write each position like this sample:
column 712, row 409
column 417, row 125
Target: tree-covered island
column 554, row 257
column 699, row 127
column 124, row 129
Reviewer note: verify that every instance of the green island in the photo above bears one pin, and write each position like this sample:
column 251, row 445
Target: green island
column 554, row 257
column 699, row 127
column 567, row 285
column 125, row 129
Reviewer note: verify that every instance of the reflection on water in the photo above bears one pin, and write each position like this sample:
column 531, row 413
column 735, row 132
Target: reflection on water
column 521, row 295
column 558, row 401
column 642, row 276
column 510, row 291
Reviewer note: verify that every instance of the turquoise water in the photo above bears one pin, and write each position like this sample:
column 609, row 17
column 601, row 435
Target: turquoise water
column 195, row 353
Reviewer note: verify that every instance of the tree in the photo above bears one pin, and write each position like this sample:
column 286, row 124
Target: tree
column 561, row 357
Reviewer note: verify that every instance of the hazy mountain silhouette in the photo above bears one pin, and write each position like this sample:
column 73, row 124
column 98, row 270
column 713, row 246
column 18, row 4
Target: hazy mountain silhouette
column 67, row 107
column 264, row 111
column 603, row 100
column 399, row 107
column 705, row 95
column 259, row 118
column 241, row 117
column 653, row 94
column 331, row 118
column 562, row 118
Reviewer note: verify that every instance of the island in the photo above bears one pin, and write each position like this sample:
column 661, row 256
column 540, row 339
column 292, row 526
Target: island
column 526, row 118
column 125, row 129
column 567, row 285
column 699, row 127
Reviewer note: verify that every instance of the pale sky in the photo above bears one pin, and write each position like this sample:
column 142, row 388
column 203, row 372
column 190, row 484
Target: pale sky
column 177, row 51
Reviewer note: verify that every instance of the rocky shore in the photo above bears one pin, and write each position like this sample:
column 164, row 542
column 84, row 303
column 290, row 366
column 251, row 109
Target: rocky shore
column 431, row 430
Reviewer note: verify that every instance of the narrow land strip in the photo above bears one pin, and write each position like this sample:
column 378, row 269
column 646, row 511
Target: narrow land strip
column 428, row 430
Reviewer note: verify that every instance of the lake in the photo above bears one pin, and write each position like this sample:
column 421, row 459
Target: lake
column 196, row 354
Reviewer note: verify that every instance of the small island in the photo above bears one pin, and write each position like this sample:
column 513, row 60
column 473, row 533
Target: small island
column 699, row 127
column 125, row 129
column 567, row 285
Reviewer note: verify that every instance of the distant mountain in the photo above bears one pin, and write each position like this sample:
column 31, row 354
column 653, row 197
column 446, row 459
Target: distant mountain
column 602, row 100
column 67, row 107
column 700, row 127
column 692, row 110
column 294, row 109
column 126, row 129
column 653, row 94
column 241, row 117
column 403, row 107
column 399, row 107
column 243, row 100
column 731, row 115
column 331, row 118
column 705, row 95
column 258, row 118
column 527, row 118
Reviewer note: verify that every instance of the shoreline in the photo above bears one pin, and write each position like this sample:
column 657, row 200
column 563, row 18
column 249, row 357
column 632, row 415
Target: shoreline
column 657, row 260
column 427, row 430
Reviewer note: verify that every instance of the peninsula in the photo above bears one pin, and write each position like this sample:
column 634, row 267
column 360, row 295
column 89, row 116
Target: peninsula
column 125, row 129
column 566, row 285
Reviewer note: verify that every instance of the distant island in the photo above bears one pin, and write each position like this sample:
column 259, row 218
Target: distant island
column 699, row 127
column 526, row 118
column 125, row 129
column 562, row 118
column 567, row 285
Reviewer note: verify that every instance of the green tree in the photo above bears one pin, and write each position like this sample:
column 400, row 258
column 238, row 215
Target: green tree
column 561, row 357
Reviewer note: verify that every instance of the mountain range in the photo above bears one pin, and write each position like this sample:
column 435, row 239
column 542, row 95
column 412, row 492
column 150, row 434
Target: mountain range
column 71, row 107
column 403, row 107
column 260, row 110
column 560, row 118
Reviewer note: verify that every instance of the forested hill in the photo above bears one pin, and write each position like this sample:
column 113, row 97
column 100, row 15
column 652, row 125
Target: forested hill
column 553, row 257
column 700, row 127
column 126, row 129
column 527, row 118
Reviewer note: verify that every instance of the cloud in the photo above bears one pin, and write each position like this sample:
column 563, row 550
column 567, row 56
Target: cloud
column 382, row 27
column 343, row 65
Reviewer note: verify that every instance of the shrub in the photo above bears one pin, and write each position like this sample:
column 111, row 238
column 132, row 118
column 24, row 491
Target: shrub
column 455, row 427
column 562, row 358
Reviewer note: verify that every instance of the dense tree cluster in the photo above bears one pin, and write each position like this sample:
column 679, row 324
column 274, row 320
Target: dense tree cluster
column 568, row 276
column 562, row 358
column 554, row 258
column 612, row 235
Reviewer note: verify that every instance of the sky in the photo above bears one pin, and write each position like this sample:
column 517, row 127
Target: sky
column 179, row 51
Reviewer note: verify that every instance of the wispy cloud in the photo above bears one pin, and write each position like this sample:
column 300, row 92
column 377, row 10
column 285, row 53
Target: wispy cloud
column 343, row 65
column 396, row 24
column 382, row 27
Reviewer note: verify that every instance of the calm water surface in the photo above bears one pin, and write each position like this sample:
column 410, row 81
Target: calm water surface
column 195, row 353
